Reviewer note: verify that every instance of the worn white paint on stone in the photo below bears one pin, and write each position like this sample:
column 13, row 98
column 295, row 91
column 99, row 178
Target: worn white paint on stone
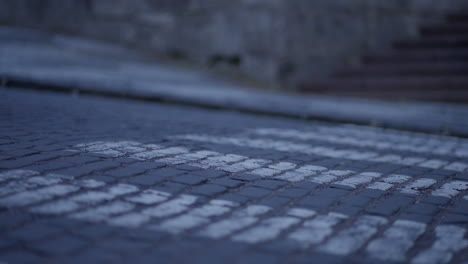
column 396, row 240
column 457, row 166
column 90, row 183
column 300, row 212
column 352, row 238
column 149, row 197
column 189, row 157
column 274, row 169
column 392, row 245
column 451, row 189
column 301, row 173
column 388, row 182
column 359, row 179
column 27, row 183
column 241, row 219
column 248, row 164
column 314, row 231
column 330, row 176
column 42, row 194
column 16, row 174
column 175, row 206
column 417, row 186
column 449, row 240
column 109, row 148
column 440, row 147
column 85, row 199
column 163, row 152
column 309, row 149
column 286, row 171
column 267, row 229
column 196, row 217
column 344, row 138
column 130, row 220
column 218, row 161
column 433, row 164
column 103, row 212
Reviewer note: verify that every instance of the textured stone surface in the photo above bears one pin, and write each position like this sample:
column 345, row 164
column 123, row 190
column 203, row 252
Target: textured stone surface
column 340, row 207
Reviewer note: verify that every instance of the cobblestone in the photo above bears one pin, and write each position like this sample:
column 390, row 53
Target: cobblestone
column 190, row 185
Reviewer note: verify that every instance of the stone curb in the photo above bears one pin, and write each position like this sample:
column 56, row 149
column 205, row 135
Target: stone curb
column 438, row 118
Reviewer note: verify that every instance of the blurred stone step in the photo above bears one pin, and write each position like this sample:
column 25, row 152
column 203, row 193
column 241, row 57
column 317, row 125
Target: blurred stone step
column 458, row 17
column 407, row 69
column 436, row 95
column 459, row 29
column 434, row 42
column 421, row 56
column 419, row 84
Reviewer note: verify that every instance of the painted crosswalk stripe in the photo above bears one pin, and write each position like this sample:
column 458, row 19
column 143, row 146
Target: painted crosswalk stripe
column 171, row 207
column 354, row 237
column 313, row 232
column 417, row 186
column 388, row 182
column 196, row 217
column 277, row 170
column 351, row 154
column 85, row 199
column 120, row 205
column 373, row 142
column 396, row 240
column 451, row 189
column 449, row 240
column 267, row 229
column 359, row 179
column 239, row 220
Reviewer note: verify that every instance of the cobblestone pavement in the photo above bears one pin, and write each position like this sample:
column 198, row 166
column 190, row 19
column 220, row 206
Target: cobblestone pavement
column 94, row 180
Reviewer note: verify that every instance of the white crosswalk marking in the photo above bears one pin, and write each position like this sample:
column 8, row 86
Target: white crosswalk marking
column 103, row 212
column 171, row 207
column 417, row 186
column 396, row 240
column 354, row 237
column 241, row 219
column 451, row 189
column 42, row 194
column 330, row 176
column 388, row 182
column 288, row 146
column 280, row 170
column 344, row 138
column 219, row 161
column 449, row 240
column 266, row 230
column 316, row 230
column 359, row 179
column 149, row 197
column 16, row 174
column 81, row 200
column 247, row 224
column 196, row 217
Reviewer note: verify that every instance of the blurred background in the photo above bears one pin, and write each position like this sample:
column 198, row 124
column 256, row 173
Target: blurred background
column 390, row 49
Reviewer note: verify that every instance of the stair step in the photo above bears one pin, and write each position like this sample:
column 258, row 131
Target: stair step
column 438, row 42
column 396, row 84
column 458, row 17
column 407, row 69
column 453, row 96
column 423, row 56
column 446, row 29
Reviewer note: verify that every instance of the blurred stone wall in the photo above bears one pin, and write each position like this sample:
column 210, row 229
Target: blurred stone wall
column 279, row 41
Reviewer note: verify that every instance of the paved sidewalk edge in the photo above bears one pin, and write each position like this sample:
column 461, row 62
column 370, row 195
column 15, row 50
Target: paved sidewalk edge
column 98, row 89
